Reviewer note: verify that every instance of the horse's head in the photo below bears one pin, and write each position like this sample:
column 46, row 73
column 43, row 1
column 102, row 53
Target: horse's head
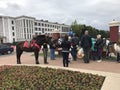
column 41, row 39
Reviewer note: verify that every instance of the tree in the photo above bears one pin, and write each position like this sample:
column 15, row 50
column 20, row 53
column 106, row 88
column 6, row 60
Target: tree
column 79, row 29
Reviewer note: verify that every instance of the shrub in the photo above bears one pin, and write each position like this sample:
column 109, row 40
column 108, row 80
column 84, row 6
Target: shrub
column 38, row 78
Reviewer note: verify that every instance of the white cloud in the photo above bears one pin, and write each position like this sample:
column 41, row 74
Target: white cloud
column 97, row 13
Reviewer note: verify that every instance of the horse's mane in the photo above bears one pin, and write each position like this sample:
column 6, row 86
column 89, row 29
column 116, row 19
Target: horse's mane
column 40, row 36
column 40, row 39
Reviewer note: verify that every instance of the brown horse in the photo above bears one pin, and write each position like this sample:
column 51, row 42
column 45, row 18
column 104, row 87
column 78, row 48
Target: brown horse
column 33, row 46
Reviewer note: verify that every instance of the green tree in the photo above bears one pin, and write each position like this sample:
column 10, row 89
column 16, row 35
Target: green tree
column 79, row 29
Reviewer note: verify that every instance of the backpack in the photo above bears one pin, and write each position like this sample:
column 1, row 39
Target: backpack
column 75, row 40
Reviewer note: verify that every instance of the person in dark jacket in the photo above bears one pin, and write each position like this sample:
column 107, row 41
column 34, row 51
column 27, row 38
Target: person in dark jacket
column 99, row 46
column 65, row 50
column 74, row 44
column 45, row 52
column 86, row 44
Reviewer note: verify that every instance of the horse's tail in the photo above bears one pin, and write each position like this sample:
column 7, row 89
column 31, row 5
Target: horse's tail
column 17, row 46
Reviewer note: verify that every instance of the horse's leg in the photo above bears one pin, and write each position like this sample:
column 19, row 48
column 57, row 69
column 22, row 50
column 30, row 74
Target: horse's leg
column 18, row 54
column 36, row 53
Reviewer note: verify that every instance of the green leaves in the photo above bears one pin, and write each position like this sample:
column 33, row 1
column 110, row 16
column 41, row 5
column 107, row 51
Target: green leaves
column 79, row 29
column 38, row 78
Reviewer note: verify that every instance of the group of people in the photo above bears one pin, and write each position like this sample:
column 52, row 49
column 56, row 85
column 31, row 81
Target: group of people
column 92, row 47
column 66, row 44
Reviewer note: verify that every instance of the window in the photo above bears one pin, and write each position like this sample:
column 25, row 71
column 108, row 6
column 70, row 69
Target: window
column 28, row 36
column 42, row 30
column 36, row 33
column 13, row 39
column 12, row 27
column 25, row 36
column 42, row 24
column 24, row 30
column 39, row 29
column 30, row 30
column 35, row 23
column 45, row 25
column 12, row 22
column 38, row 24
column 13, row 34
column 27, row 30
column 24, row 22
column 27, row 22
column 36, row 29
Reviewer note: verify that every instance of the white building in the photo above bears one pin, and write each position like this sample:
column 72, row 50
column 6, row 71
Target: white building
column 22, row 28
column 7, row 29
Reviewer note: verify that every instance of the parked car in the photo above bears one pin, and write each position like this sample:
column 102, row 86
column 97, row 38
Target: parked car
column 5, row 49
column 10, row 44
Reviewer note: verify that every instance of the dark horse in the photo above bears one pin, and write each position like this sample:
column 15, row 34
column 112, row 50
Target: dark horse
column 33, row 46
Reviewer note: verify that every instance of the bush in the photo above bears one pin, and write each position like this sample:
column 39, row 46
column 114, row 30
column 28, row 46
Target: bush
column 38, row 78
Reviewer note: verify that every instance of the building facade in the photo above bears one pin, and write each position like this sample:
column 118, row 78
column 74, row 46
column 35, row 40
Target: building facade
column 13, row 29
column 7, row 29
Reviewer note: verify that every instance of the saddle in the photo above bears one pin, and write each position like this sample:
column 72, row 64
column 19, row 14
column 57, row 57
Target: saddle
column 27, row 44
column 31, row 44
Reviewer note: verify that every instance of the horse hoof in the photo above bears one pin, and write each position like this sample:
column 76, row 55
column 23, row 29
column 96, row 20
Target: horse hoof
column 46, row 63
column 118, row 61
column 18, row 63
column 37, row 63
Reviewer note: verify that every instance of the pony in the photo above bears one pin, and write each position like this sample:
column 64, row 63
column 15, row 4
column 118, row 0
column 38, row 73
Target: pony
column 113, row 49
column 32, row 46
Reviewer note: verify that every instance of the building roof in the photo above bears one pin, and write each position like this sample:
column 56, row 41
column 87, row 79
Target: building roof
column 23, row 16
column 6, row 16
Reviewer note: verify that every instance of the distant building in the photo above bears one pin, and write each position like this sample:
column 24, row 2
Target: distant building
column 22, row 28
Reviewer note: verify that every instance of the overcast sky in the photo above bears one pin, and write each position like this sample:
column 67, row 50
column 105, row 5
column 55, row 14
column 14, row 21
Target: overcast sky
column 97, row 13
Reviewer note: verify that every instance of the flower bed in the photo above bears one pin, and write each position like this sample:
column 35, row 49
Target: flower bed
column 38, row 78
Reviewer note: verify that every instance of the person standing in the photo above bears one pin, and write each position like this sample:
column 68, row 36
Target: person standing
column 74, row 45
column 65, row 50
column 93, row 49
column 86, row 44
column 45, row 52
column 52, row 49
column 99, row 46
